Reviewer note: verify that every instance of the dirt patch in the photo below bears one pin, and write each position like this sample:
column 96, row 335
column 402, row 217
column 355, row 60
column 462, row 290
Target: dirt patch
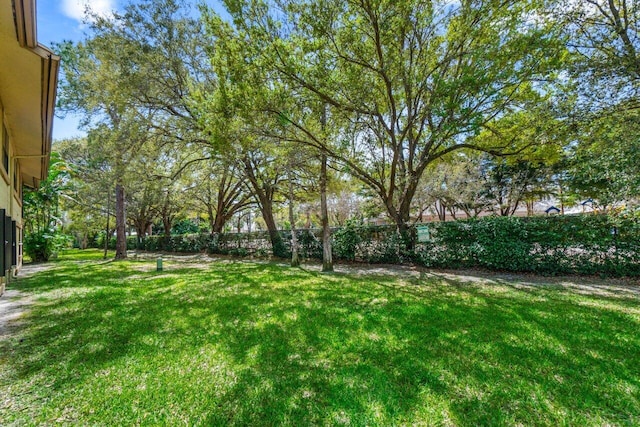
column 587, row 285
column 190, row 258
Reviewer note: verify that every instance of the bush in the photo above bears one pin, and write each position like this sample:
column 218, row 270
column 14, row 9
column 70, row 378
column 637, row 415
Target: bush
column 584, row 244
column 99, row 241
column 43, row 245
column 185, row 226
column 346, row 240
column 241, row 252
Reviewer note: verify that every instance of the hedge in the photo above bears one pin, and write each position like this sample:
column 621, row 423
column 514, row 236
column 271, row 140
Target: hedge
column 583, row 244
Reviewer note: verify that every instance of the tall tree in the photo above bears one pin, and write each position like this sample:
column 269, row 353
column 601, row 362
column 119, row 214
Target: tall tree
column 218, row 188
column 604, row 165
column 91, row 175
column 414, row 79
column 132, row 76
column 604, row 40
column 605, row 69
column 455, row 184
column 263, row 180
column 91, row 85
column 508, row 184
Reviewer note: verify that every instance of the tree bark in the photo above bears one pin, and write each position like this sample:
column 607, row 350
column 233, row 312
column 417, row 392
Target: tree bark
column 218, row 223
column 167, row 223
column 440, row 209
column 327, row 257
column 264, row 196
column 141, row 231
column 295, row 258
column 121, row 237
column 266, row 208
column 107, row 235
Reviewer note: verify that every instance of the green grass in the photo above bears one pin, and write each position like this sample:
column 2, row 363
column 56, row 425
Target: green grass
column 240, row 343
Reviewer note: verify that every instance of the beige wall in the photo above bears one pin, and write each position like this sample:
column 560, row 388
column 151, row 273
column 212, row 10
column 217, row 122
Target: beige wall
column 10, row 199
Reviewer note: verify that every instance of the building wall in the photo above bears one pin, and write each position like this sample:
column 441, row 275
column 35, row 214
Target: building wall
column 10, row 189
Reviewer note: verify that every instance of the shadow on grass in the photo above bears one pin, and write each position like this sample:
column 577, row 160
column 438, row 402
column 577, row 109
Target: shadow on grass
column 302, row 348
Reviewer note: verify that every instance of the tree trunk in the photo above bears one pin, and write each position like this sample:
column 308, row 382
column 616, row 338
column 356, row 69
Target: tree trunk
column 212, row 220
column 166, row 222
column 561, row 193
column 441, row 210
column 218, row 223
column 107, row 235
column 264, row 195
column 121, row 237
column 404, row 229
column 453, row 211
column 295, row 258
column 279, row 250
column 327, row 257
column 141, row 229
column 530, row 204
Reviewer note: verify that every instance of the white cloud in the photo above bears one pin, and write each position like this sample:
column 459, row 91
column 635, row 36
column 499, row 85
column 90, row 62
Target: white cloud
column 77, row 9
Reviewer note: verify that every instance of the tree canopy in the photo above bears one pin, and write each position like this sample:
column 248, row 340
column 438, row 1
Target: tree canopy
column 401, row 108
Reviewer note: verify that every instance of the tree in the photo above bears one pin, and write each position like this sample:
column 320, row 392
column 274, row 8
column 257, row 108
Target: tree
column 603, row 38
column 217, row 187
column 604, row 165
column 525, row 176
column 144, row 198
column 412, row 79
column 90, row 174
column 132, row 77
column 605, row 71
column 509, row 184
column 264, row 176
column 455, row 184
column 91, row 86
column 42, row 213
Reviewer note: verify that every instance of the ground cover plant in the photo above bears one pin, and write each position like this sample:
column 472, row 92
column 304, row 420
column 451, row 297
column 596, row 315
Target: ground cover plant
column 233, row 342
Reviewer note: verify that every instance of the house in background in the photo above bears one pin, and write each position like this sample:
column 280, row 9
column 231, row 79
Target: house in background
column 28, row 81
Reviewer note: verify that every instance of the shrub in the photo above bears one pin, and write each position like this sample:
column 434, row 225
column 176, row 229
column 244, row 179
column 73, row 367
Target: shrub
column 41, row 246
column 584, row 244
column 346, row 240
column 241, row 252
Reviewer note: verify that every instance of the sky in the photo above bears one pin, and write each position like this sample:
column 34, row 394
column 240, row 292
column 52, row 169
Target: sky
column 60, row 20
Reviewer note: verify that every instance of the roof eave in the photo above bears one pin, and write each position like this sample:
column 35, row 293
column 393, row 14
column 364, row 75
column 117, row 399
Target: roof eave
column 25, row 17
column 26, row 32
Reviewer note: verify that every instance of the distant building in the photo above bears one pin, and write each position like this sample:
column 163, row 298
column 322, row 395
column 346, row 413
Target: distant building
column 28, row 80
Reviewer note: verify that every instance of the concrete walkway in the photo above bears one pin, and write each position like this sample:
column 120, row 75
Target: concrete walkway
column 13, row 303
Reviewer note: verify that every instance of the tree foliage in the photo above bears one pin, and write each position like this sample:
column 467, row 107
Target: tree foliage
column 366, row 109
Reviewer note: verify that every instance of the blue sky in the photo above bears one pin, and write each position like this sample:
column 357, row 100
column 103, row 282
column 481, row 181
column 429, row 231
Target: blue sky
column 60, row 20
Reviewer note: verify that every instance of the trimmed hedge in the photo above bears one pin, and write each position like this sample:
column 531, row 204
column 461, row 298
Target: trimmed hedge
column 582, row 244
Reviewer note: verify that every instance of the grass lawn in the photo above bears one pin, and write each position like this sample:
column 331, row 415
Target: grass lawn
column 242, row 343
